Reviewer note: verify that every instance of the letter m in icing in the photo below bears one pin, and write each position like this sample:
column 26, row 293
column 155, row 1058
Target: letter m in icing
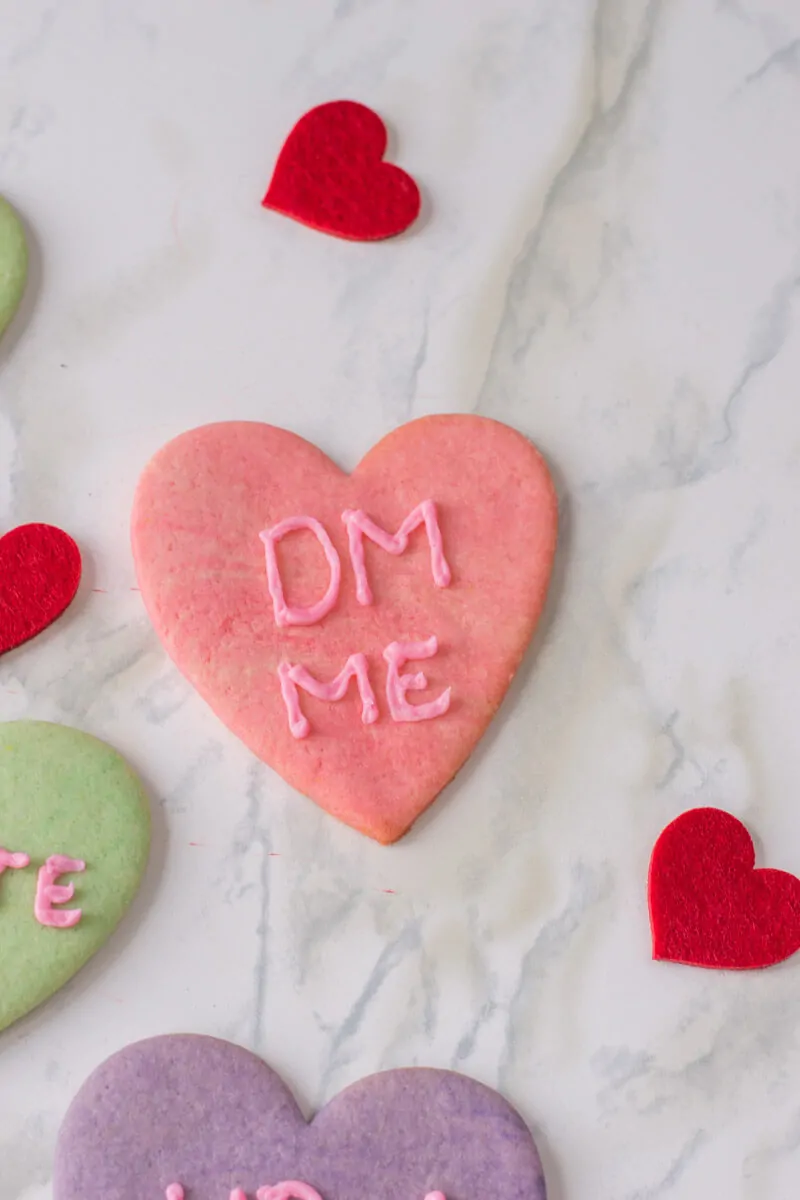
column 359, row 526
column 292, row 677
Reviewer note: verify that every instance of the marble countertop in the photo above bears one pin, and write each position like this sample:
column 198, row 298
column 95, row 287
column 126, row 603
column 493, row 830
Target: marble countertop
column 610, row 261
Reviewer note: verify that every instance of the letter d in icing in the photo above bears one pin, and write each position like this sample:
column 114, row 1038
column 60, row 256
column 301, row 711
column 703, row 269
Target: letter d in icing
column 299, row 614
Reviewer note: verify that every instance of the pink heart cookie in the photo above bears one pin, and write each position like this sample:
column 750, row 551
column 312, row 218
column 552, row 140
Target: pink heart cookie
column 357, row 632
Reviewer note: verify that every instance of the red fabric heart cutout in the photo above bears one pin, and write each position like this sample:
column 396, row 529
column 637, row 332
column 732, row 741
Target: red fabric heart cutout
column 710, row 906
column 40, row 569
column 330, row 175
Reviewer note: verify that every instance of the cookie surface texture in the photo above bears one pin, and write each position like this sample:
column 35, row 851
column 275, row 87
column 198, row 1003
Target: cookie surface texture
column 710, row 906
column 456, row 598
column 211, row 1117
column 63, row 796
column 13, row 263
column 331, row 175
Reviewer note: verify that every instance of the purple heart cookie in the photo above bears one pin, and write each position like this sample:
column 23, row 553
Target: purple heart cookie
column 194, row 1117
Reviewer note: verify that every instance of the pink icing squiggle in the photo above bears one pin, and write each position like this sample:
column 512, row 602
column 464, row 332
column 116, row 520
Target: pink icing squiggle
column 294, row 677
column 292, row 1189
column 299, row 614
column 15, row 861
column 359, row 526
column 397, row 654
column 48, row 893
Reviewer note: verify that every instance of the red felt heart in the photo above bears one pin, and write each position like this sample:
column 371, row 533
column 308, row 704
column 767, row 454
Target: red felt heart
column 330, row 175
column 709, row 906
column 40, row 569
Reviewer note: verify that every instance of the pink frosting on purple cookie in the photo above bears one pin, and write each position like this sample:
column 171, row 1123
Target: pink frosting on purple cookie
column 207, row 1117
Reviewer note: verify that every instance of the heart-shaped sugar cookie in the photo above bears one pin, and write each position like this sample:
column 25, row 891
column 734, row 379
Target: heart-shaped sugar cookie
column 74, row 837
column 13, row 263
column 304, row 603
column 331, row 175
column 187, row 1116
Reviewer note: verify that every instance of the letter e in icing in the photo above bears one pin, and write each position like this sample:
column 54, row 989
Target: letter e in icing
column 310, row 614
column 397, row 654
column 48, row 893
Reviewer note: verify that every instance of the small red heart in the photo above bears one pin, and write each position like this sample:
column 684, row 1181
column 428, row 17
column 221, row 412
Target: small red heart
column 330, row 175
column 709, row 906
column 40, row 569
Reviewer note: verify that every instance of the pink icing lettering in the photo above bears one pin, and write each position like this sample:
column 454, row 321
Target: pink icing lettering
column 16, row 861
column 292, row 1189
column 294, row 677
column 175, row 1192
column 397, row 654
column 359, row 526
column 309, row 614
column 48, row 893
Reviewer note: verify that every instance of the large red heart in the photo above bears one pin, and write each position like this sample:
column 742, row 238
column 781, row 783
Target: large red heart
column 330, row 175
column 200, row 508
column 40, row 569
column 709, row 906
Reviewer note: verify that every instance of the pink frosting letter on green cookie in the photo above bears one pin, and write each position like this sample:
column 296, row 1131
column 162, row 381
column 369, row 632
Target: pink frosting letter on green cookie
column 50, row 893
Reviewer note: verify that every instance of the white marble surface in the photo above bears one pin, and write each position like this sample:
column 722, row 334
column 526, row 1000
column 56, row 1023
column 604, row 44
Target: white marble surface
column 611, row 262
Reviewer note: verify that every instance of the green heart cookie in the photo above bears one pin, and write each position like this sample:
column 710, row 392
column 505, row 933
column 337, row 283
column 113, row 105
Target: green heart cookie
column 13, row 263
column 63, row 793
